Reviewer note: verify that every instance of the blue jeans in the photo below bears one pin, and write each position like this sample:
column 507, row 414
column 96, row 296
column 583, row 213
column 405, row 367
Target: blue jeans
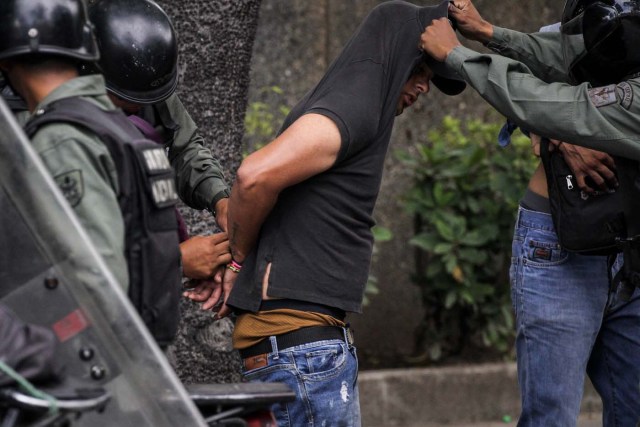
column 568, row 322
column 323, row 375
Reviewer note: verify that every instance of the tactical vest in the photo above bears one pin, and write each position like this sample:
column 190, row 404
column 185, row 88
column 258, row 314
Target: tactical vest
column 15, row 102
column 147, row 198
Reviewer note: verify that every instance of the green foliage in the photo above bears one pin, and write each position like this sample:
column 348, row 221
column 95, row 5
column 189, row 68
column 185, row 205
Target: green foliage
column 262, row 121
column 380, row 235
column 464, row 198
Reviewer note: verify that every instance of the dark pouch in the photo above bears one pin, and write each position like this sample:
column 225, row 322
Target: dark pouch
column 585, row 223
column 28, row 349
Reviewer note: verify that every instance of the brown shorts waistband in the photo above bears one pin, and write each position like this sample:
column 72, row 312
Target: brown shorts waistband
column 299, row 337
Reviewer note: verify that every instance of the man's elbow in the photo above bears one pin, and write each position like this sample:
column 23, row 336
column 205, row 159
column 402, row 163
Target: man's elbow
column 251, row 179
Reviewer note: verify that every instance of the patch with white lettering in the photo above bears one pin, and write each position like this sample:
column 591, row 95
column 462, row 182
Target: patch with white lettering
column 601, row 96
column 164, row 192
column 72, row 186
column 625, row 95
column 156, row 160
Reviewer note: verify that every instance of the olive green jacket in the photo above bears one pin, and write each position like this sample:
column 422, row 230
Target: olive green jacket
column 200, row 180
column 85, row 172
column 535, row 93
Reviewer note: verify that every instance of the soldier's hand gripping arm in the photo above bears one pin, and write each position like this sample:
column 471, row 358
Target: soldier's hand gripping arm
column 469, row 22
column 203, row 255
column 596, row 118
column 541, row 52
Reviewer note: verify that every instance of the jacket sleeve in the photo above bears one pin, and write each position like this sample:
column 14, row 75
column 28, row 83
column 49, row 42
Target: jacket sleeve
column 579, row 115
column 200, row 179
column 542, row 53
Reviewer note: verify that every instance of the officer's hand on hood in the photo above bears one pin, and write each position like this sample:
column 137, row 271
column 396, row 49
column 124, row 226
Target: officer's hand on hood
column 469, row 22
column 438, row 39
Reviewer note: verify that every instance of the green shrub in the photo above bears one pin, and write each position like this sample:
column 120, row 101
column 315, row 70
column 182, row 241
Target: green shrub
column 262, row 121
column 464, row 199
column 380, row 235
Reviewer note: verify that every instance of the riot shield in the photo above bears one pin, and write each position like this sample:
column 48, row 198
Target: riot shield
column 51, row 275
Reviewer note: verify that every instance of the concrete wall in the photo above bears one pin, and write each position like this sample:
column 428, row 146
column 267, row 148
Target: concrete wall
column 479, row 395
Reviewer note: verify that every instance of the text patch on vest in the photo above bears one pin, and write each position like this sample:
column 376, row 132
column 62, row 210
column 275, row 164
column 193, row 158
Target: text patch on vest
column 156, row 160
column 163, row 191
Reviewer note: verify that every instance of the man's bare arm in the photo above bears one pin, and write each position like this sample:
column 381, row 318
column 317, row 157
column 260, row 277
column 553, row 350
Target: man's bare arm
column 308, row 147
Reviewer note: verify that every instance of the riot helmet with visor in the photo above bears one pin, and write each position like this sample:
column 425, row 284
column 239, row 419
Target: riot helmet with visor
column 139, row 49
column 46, row 27
column 610, row 31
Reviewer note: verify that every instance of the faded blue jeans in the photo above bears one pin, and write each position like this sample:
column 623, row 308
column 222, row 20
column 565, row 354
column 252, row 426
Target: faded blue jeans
column 323, row 375
column 568, row 323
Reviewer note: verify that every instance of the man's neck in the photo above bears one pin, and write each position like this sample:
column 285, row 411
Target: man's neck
column 34, row 86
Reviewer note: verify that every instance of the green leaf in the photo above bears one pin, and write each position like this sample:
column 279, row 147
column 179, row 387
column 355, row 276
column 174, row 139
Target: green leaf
column 381, row 234
column 450, row 300
column 425, row 241
column 473, row 256
column 475, row 238
column 445, row 230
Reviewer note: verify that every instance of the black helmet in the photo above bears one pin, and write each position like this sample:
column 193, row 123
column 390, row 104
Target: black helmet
column 610, row 30
column 138, row 47
column 55, row 27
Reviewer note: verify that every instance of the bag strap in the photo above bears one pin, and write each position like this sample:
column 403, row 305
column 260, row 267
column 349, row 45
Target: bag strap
column 111, row 126
column 545, row 154
column 146, row 128
column 83, row 113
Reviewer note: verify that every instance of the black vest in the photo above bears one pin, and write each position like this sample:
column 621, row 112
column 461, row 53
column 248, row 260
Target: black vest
column 147, row 200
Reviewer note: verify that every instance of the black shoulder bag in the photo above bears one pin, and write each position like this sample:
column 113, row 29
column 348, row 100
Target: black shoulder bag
column 585, row 223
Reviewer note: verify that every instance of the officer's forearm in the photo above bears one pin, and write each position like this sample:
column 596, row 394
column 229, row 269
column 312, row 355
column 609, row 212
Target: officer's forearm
column 556, row 110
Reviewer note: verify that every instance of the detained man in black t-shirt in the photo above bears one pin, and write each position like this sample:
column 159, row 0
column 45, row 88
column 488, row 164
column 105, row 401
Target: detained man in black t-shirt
column 300, row 218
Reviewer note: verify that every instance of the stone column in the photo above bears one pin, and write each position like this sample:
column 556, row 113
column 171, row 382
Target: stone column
column 216, row 41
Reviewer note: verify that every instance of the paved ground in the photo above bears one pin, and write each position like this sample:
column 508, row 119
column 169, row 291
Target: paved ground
column 591, row 420
column 452, row 396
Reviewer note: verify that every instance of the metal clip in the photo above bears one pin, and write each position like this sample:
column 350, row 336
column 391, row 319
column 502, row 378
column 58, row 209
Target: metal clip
column 569, row 182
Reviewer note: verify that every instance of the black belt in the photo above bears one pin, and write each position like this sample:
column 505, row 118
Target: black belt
column 298, row 337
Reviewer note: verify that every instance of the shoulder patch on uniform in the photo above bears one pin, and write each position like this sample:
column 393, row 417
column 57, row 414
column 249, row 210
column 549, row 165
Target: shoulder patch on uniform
column 625, row 94
column 601, row 96
column 72, row 186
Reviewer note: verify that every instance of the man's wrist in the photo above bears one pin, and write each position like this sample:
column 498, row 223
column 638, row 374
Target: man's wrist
column 485, row 35
column 224, row 194
column 234, row 266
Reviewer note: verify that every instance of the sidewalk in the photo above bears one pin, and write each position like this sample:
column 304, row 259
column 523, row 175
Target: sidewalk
column 462, row 396
column 588, row 420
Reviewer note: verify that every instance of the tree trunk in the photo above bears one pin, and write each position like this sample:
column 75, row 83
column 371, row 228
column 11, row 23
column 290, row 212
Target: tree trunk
column 216, row 40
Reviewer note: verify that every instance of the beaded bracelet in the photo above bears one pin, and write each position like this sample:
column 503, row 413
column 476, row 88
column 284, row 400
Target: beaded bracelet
column 234, row 266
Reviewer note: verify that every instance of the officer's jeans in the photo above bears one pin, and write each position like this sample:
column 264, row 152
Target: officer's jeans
column 568, row 323
column 323, row 375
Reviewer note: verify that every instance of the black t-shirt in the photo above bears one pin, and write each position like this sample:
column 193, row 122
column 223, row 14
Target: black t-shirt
column 318, row 236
